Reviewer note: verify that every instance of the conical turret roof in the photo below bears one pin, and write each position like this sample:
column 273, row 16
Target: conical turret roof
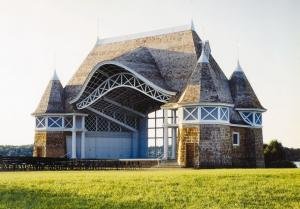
column 52, row 99
column 242, row 93
column 206, row 84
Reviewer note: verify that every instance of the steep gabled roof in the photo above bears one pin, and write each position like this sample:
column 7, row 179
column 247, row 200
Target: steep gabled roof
column 52, row 99
column 242, row 93
column 181, row 40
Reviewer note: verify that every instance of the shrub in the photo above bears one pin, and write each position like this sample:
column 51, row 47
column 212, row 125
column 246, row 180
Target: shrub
column 280, row 164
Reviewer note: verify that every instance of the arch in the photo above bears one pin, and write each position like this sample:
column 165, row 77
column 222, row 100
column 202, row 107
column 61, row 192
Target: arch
column 119, row 80
column 126, row 68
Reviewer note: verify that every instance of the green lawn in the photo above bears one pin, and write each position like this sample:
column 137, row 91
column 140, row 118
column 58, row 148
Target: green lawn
column 152, row 188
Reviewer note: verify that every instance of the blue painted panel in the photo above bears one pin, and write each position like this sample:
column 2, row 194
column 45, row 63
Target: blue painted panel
column 108, row 145
column 143, row 138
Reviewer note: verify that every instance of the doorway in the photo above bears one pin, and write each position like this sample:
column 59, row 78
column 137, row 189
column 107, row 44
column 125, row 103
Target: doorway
column 190, row 155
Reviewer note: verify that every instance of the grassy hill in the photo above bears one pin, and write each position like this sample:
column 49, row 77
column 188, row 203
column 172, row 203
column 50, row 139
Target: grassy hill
column 152, row 188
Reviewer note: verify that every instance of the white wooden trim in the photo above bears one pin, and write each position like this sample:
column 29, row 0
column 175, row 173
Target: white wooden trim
column 238, row 138
column 250, row 109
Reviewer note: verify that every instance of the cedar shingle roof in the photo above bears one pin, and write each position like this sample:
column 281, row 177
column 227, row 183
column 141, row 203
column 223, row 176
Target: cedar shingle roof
column 242, row 93
column 52, row 100
column 167, row 60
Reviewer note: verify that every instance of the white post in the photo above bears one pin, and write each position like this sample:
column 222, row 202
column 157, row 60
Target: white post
column 74, row 138
column 165, row 156
column 83, row 138
column 174, row 135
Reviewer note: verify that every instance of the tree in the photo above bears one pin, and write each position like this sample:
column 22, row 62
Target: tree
column 275, row 155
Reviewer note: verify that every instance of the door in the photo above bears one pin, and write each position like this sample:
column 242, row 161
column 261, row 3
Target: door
column 39, row 151
column 190, row 155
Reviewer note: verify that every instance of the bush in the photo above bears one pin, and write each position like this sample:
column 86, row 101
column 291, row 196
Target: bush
column 276, row 157
column 280, row 164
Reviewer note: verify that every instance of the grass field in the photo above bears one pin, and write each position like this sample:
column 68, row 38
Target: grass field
column 170, row 188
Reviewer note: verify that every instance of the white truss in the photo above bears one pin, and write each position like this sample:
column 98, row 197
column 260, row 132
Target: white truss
column 122, row 80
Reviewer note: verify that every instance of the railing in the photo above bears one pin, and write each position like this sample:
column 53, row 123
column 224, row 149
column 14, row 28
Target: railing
column 40, row 164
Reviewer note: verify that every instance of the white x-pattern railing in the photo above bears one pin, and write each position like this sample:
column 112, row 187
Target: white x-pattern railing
column 210, row 113
column 122, row 80
column 55, row 122
column 252, row 118
column 224, row 113
column 219, row 114
column 191, row 113
column 40, row 122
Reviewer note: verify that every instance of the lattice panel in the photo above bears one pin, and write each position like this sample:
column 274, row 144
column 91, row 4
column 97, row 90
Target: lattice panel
column 102, row 124
column 115, row 127
column 91, row 123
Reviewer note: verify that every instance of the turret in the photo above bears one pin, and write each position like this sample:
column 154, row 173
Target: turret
column 204, row 95
column 52, row 99
column 244, row 98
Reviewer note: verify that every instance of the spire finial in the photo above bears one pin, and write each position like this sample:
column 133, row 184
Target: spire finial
column 205, row 53
column 98, row 31
column 55, row 77
column 192, row 25
column 238, row 67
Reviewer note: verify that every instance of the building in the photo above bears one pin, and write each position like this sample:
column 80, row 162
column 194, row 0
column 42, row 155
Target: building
column 159, row 94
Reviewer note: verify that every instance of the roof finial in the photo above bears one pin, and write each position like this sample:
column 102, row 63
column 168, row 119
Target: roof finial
column 205, row 53
column 238, row 67
column 98, row 32
column 54, row 77
column 192, row 25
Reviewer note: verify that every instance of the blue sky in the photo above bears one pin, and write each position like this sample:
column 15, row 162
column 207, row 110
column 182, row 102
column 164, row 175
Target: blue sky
column 32, row 31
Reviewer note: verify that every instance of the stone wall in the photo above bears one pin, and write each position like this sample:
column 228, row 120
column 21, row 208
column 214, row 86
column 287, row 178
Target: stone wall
column 49, row 144
column 250, row 151
column 39, row 148
column 188, row 134
column 215, row 146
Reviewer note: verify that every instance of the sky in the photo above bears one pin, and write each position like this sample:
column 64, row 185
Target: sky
column 37, row 36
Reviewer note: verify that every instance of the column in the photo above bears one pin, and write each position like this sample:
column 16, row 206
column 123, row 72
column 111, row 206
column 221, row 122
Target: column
column 165, row 156
column 173, row 134
column 74, row 138
column 83, row 138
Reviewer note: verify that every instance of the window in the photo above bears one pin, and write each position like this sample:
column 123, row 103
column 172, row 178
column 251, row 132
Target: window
column 190, row 113
column 55, row 122
column 252, row 118
column 247, row 117
column 156, row 132
column 40, row 122
column 209, row 113
column 258, row 118
column 224, row 113
column 236, row 139
column 68, row 122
